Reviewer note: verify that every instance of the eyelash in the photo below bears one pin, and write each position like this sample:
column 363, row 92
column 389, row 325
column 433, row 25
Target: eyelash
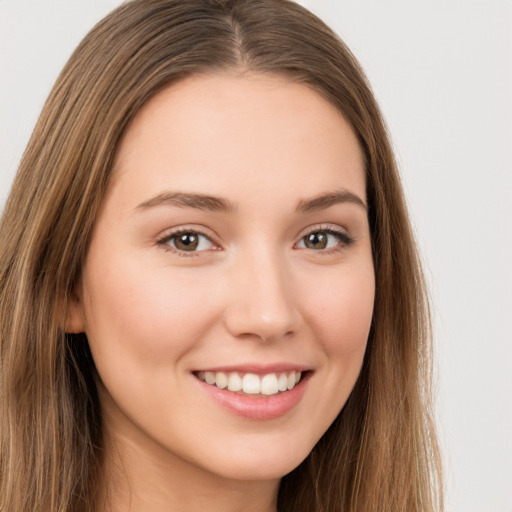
column 164, row 242
column 344, row 240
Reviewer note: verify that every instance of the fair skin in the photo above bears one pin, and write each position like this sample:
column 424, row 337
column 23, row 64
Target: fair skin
column 270, row 275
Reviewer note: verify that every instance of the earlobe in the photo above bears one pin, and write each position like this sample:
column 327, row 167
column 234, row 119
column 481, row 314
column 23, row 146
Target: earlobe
column 74, row 320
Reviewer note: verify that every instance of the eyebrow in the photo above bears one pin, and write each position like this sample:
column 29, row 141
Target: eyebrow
column 324, row 201
column 221, row 205
column 184, row 200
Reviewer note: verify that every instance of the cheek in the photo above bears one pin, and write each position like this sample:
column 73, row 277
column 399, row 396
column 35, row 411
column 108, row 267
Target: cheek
column 142, row 314
column 338, row 314
column 341, row 309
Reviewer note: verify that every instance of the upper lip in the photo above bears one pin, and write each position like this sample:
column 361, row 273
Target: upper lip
column 260, row 369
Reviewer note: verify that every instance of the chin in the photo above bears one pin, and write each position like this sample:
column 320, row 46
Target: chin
column 260, row 461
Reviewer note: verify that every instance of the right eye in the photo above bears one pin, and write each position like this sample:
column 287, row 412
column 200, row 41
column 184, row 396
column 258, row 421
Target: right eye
column 187, row 242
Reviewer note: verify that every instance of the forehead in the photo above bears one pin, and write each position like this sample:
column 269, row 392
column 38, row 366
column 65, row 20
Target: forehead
column 246, row 133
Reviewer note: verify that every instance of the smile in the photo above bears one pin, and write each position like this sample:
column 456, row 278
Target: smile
column 254, row 392
column 252, row 383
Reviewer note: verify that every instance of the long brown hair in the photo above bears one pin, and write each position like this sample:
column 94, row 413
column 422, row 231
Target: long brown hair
column 380, row 454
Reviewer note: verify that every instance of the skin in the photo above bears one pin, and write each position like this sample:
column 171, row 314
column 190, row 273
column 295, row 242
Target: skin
column 254, row 292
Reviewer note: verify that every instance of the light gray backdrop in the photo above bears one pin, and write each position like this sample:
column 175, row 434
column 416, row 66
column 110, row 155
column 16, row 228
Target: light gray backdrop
column 442, row 72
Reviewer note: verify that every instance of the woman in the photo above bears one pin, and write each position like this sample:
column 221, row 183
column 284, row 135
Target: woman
column 211, row 296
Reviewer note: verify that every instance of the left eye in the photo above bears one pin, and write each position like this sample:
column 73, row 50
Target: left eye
column 321, row 240
column 189, row 241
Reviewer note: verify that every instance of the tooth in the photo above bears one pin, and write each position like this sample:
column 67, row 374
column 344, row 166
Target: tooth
column 282, row 382
column 234, row 382
column 209, row 377
column 291, row 380
column 251, row 384
column 269, row 384
column 221, row 380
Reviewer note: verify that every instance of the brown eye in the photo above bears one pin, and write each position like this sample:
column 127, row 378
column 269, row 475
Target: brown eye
column 188, row 241
column 316, row 240
column 325, row 239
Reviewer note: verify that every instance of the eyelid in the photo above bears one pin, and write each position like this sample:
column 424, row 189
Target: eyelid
column 162, row 240
column 343, row 235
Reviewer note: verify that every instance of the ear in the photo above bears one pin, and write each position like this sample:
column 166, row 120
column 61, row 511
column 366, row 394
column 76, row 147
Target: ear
column 74, row 321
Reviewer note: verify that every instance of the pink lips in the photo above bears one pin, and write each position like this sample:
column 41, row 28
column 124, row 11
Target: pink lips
column 257, row 407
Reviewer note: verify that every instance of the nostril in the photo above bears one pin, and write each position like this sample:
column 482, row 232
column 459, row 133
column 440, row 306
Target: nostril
column 264, row 336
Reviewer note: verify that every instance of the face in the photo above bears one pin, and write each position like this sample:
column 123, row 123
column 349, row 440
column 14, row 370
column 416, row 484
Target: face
column 228, row 290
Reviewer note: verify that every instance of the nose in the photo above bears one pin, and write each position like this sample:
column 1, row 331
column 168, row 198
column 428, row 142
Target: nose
column 262, row 304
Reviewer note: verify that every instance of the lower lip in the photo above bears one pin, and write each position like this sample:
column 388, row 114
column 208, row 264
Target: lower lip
column 258, row 408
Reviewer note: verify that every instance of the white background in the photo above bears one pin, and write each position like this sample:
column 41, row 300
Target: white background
column 442, row 72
